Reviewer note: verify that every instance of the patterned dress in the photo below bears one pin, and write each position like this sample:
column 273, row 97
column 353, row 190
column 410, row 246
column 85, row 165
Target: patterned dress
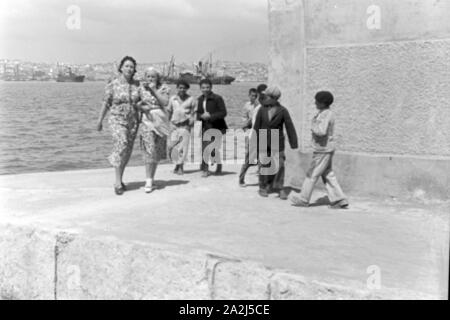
column 155, row 128
column 121, row 98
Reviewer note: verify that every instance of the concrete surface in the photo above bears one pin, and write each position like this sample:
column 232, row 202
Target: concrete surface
column 391, row 85
column 66, row 235
column 338, row 22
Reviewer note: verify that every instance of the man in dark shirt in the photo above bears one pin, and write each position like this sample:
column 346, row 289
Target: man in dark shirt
column 211, row 111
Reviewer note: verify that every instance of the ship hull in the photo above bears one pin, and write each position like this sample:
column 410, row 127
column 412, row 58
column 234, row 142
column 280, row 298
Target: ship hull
column 70, row 79
column 196, row 80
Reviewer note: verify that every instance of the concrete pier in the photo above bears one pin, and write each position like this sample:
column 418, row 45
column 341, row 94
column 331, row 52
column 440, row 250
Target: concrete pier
column 66, row 235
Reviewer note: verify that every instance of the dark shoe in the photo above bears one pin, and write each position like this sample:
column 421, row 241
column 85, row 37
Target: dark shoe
column 119, row 190
column 219, row 169
column 242, row 184
column 205, row 174
column 263, row 193
column 283, row 195
column 343, row 204
column 180, row 170
column 124, row 187
column 177, row 167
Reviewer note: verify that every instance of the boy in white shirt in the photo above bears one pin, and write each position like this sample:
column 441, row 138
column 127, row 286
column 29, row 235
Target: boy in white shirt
column 251, row 108
column 322, row 130
column 182, row 108
column 248, row 118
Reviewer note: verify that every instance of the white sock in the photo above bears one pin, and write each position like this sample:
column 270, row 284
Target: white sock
column 149, row 182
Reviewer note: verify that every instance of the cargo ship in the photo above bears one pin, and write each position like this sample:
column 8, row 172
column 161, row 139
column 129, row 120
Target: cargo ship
column 69, row 76
column 203, row 70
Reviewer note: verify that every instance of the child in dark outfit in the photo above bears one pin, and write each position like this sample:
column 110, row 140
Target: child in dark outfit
column 272, row 116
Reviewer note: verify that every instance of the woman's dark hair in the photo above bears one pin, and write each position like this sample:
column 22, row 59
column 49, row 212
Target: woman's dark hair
column 125, row 59
column 182, row 82
column 206, row 81
column 324, row 97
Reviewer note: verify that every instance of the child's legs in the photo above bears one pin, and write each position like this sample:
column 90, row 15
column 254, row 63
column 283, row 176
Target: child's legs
column 278, row 180
column 263, row 180
column 205, row 155
column 267, row 172
column 184, row 145
column 217, row 152
column 318, row 166
column 335, row 193
column 244, row 166
column 174, row 145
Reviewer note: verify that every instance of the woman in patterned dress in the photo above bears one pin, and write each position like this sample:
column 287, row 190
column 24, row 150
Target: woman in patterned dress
column 121, row 97
column 155, row 125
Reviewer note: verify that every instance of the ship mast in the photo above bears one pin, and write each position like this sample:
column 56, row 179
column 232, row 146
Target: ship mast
column 171, row 71
column 210, row 63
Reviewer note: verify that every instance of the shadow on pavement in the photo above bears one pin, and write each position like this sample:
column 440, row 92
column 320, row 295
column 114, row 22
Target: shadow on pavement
column 159, row 184
column 323, row 201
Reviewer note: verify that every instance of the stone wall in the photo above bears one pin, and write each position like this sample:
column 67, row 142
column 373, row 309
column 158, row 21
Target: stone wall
column 49, row 265
column 387, row 64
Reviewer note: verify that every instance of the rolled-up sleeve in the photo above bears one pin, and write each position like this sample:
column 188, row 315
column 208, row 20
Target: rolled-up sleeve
column 320, row 124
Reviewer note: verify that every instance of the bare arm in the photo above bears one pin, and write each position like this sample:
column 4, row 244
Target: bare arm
column 103, row 112
column 193, row 115
column 169, row 108
column 107, row 102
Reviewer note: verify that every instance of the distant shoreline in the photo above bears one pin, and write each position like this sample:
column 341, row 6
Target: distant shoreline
column 102, row 81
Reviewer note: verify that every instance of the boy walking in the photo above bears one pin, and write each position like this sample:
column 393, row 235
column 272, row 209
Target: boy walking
column 249, row 119
column 182, row 108
column 248, row 112
column 323, row 143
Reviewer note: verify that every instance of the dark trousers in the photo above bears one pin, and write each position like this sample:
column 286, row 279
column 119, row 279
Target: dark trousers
column 215, row 154
column 275, row 181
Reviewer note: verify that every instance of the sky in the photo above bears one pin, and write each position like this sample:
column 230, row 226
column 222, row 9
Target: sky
column 94, row 31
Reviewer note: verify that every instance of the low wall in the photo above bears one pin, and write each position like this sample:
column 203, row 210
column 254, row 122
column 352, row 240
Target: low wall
column 388, row 65
column 383, row 175
column 37, row 264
